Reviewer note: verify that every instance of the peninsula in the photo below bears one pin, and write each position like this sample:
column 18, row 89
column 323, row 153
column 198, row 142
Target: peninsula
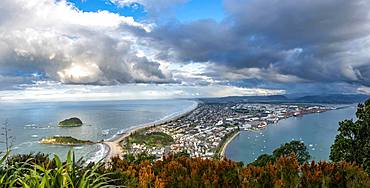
column 71, row 122
column 206, row 131
column 117, row 146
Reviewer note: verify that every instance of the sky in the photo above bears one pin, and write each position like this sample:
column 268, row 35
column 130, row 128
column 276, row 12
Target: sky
column 159, row 49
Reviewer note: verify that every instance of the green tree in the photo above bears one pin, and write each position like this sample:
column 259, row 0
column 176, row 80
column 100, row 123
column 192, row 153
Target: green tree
column 296, row 147
column 263, row 159
column 352, row 144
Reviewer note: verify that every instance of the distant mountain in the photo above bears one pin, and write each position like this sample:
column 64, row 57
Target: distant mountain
column 333, row 98
column 269, row 98
column 330, row 99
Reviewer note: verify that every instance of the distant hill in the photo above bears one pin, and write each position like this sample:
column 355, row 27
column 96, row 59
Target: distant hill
column 269, row 98
column 329, row 99
column 333, row 98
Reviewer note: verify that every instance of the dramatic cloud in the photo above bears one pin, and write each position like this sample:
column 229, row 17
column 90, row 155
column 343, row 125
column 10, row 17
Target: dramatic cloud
column 364, row 90
column 55, row 39
column 297, row 46
column 50, row 91
column 282, row 41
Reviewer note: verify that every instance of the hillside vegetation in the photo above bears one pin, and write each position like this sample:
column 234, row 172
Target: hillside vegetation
column 39, row 171
column 150, row 139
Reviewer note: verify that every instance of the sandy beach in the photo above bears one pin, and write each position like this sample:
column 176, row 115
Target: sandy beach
column 223, row 150
column 113, row 145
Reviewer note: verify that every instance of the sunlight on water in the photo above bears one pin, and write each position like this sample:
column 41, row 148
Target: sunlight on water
column 30, row 122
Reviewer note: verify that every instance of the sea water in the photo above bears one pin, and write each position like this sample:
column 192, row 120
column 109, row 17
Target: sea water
column 30, row 122
column 316, row 130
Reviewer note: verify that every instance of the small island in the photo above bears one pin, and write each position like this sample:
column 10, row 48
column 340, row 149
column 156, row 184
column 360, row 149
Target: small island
column 64, row 140
column 71, row 122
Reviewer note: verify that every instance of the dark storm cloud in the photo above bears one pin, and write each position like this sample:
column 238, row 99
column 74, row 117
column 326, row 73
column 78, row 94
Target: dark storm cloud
column 301, row 22
column 281, row 41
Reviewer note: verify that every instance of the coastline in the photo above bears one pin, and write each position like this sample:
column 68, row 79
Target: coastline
column 221, row 154
column 113, row 145
column 223, row 150
column 319, row 150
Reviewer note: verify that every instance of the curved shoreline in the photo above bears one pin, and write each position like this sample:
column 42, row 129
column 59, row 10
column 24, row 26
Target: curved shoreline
column 223, row 150
column 224, row 146
column 113, row 145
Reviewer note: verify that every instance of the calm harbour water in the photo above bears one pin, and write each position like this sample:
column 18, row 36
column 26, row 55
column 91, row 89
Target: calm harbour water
column 317, row 131
column 29, row 122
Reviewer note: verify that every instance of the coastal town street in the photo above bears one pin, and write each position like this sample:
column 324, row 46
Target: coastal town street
column 205, row 131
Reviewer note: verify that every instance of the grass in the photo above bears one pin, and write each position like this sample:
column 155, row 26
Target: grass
column 151, row 139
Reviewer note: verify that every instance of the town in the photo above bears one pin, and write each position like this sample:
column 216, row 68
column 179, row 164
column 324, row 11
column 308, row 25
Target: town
column 204, row 131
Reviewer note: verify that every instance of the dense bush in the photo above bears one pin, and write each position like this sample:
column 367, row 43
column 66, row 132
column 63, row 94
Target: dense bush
column 176, row 171
column 38, row 171
column 352, row 144
column 294, row 147
column 286, row 171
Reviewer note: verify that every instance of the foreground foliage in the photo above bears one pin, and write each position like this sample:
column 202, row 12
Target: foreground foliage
column 41, row 172
column 38, row 171
column 353, row 141
column 196, row 172
column 296, row 147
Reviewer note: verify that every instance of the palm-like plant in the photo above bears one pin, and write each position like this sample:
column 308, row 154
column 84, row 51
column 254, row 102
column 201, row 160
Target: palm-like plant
column 52, row 173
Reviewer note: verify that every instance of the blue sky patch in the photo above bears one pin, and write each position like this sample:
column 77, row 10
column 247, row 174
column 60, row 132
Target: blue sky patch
column 190, row 11
column 136, row 11
column 200, row 9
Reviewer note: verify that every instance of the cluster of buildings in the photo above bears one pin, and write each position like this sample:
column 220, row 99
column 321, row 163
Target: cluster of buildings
column 202, row 132
column 199, row 133
column 257, row 116
column 151, row 150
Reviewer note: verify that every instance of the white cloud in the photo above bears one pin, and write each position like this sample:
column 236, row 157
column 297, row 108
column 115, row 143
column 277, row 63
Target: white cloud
column 53, row 91
column 153, row 6
column 76, row 73
column 52, row 40
column 72, row 46
column 364, row 90
column 192, row 73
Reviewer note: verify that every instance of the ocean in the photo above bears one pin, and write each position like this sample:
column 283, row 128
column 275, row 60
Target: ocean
column 103, row 120
column 316, row 130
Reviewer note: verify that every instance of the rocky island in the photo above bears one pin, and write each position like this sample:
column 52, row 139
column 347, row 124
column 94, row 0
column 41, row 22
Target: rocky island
column 71, row 122
column 64, row 140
